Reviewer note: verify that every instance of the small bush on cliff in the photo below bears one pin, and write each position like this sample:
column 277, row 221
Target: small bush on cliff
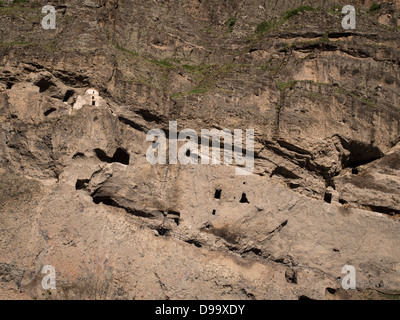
column 374, row 7
column 267, row 26
column 264, row 27
column 292, row 13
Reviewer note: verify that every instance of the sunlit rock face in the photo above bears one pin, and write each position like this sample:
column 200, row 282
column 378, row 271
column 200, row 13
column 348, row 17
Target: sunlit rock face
column 77, row 192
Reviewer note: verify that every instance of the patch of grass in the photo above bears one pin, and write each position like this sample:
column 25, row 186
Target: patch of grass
column 201, row 89
column 283, row 86
column 369, row 102
column 17, row 10
column 118, row 47
column 362, row 100
column 286, row 46
column 314, row 95
column 307, row 43
column 375, row 7
column 291, row 13
column 19, row 1
column 176, row 95
column 17, row 44
column 140, row 81
column 324, row 38
column 269, row 25
column 335, row 10
column 191, row 69
column 199, row 69
column 209, row 75
column 265, row 26
column 51, row 46
column 163, row 63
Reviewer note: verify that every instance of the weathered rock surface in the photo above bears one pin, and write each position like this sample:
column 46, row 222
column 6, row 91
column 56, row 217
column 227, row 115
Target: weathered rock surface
column 76, row 191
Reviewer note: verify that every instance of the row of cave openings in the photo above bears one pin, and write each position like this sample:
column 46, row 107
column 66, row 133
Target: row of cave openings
column 45, row 84
column 218, row 194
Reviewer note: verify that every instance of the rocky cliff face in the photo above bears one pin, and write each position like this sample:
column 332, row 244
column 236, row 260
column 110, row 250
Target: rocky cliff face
column 77, row 193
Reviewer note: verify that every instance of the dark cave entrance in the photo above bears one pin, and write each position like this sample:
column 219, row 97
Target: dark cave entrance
column 244, row 198
column 120, row 156
column 328, row 197
column 68, row 95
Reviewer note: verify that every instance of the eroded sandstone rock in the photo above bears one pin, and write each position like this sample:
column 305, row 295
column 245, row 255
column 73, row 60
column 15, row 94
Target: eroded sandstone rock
column 76, row 191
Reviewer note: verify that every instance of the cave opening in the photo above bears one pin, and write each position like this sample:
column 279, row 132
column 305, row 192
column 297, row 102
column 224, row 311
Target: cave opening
column 51, row 110
column 360, row 153
column 328, row 197
column 244, row 198
column 162, row 231
column 120, row 156
column 68, row 95
column 78, row 155
column 194, row 242
column 291, row 276
column 81, row 184
column 105, row 200
column 331, row 290
column 217, row 194
column 44, row 84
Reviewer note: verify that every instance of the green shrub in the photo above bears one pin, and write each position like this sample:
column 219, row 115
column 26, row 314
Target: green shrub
column 265, row 26
column 324, row 38
column 286, row 85
column 292, row 13
column 118, row 47
column 374, row 7
column 197, row 69
column 16, row 44
column 336, row 9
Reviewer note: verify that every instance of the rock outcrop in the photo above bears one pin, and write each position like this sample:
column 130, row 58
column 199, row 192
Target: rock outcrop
column 77, row 193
